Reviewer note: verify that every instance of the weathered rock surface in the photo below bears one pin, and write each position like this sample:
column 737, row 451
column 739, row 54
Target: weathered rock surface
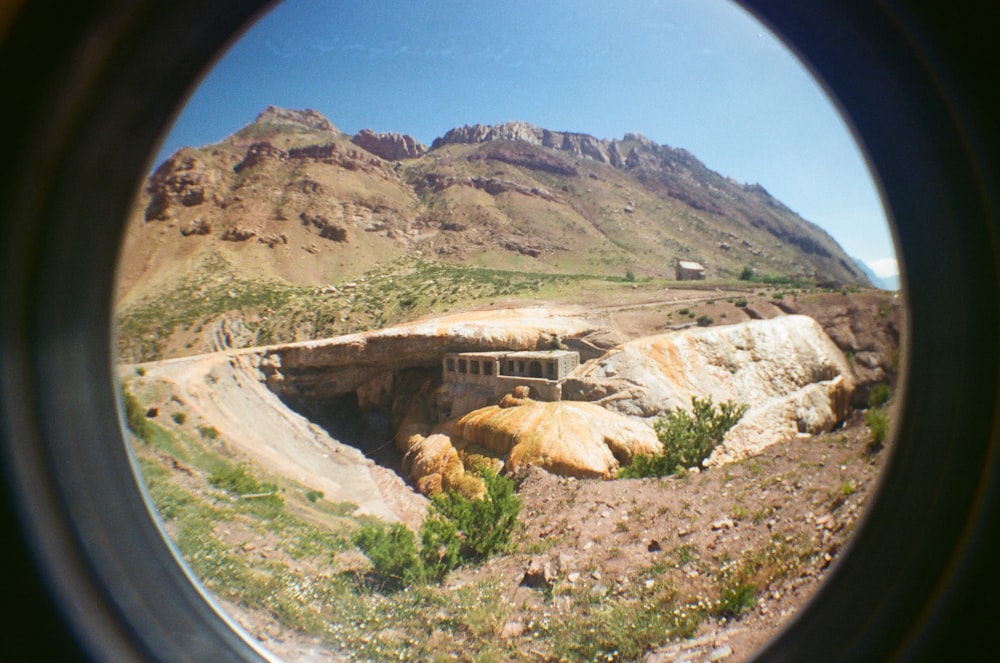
column 793, row 377
column 389, row 146
column 182, row 180
column 225, row 388
column 330, row 367
column 566, row 438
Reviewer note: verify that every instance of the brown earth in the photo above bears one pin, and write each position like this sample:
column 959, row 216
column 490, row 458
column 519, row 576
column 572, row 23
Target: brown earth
column 791, row 509
column 782, row 517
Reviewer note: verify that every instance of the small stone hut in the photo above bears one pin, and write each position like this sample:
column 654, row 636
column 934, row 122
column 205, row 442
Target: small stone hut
column 690, row 271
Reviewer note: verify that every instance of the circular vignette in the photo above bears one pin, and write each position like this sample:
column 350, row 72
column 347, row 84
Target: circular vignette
column 92, row 88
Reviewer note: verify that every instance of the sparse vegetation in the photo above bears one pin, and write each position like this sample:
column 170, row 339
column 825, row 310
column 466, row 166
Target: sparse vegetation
column 458, row 529
column 879, row 395
column 687, row 438
column 275, row 311
column 878, row 426
column 135, row 416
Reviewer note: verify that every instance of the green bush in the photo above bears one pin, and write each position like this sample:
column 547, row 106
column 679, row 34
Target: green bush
column 179, row 417
column 457, row 529
column 687, row 439
column 392, row 550
column 736, row 600
column 135, row 416
column 878, row 424
column 741, row 302
column 747, row 274
column 238, row 479
column 314, row 495
column 705, row 320
column 879, row 395
column 485, row 525
column 440, row 547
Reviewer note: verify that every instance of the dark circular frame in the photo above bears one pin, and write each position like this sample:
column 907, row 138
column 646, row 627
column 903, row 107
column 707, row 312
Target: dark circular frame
column 90, row 86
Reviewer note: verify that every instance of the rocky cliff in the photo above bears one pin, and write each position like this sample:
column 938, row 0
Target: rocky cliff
column 513, row 196
column 790, row 373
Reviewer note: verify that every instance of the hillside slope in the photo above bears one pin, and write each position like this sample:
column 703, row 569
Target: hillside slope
column 289, row 208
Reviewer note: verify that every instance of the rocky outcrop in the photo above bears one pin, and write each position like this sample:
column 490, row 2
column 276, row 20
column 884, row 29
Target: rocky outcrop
column 491, row 185
column 183, row 180
column 793, row 377
column 327, row 368
column 389, row 146
column 575, row 439
column 258, row 153
column 566, row 438
column 307, row 118
column 526, row 158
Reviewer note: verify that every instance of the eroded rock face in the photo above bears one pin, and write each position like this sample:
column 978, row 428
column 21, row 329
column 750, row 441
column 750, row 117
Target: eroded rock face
column 793, row 377
column 389, row 146
column 182, row 180
column 567, row 438
column 321, row 369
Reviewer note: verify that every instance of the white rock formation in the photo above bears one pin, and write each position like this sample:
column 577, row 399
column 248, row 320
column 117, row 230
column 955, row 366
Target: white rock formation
column 787, row 370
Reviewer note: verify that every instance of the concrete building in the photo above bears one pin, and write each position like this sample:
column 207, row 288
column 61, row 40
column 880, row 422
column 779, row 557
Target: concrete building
column 476, row 379
column 690, row 271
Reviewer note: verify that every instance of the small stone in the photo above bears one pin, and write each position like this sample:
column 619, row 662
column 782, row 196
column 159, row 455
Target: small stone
column 600, row 589
column 725, row 651
column 723, row 523
column 511, row 630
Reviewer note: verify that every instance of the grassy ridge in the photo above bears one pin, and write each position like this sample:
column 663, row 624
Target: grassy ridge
column 279, row 312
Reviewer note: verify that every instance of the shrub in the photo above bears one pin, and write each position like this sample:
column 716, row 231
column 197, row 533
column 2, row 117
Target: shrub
column 440, row 547
column 878, row 424
column 135, row 416
column 741, row 302
column 485, row 525
column 208, row 432
column 879, row 395
column 392, row 550
column 238, row 479
column 179, row 417
column 747, row 274
column 687, row 439
column 736, row 600
column 314, row 495
column 457, row 529
column 705, row 320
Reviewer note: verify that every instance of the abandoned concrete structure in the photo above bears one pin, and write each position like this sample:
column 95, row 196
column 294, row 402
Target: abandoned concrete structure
column 689, row 271
column 475, row 379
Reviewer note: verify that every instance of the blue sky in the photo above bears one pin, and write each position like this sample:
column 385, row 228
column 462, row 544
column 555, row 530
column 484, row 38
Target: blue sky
column 698, row 74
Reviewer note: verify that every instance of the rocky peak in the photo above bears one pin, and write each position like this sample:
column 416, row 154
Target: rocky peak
column 480, row 133
column 307, row 118
column 389, row 146
column 580, row 145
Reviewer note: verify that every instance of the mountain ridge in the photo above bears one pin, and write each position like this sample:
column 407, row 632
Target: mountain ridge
column 290, row 201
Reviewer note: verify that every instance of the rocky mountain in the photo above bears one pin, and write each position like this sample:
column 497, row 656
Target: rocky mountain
column 291, row 200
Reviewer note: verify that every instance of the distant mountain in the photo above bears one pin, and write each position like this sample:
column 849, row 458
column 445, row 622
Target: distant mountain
column 289, row 198
column 880, row 282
